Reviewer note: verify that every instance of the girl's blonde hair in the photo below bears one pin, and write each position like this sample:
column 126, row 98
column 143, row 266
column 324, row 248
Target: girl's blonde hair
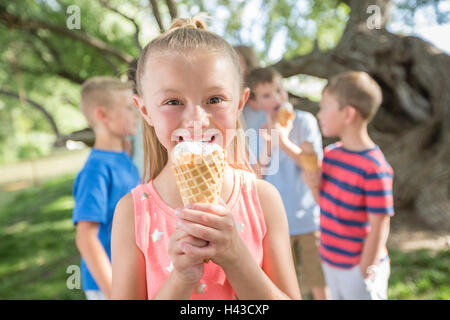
column 186, row 34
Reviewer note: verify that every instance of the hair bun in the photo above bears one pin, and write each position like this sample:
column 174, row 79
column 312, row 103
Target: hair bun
column 194, row 23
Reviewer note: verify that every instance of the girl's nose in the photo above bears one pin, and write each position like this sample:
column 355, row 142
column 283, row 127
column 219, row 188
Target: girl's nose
column 195, row 116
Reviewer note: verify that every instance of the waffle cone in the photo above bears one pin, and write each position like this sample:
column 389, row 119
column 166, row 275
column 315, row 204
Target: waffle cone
column 284, row 116
column 200, row 176
column 308, row 157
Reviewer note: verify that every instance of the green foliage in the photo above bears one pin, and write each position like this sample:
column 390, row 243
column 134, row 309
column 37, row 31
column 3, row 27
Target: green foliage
column 38, row 242
column 48, row 66
column 29, row 151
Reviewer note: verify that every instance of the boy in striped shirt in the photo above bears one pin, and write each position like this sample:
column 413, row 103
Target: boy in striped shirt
column 354, row 191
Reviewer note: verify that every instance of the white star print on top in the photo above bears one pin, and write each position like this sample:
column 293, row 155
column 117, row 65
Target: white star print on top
column 201, row 288
column 144, row 196
column 156, row 235
column 240, row 226
column 170, row 267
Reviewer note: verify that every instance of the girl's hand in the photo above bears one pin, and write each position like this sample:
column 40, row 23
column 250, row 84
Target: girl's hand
column 213, row 223
column 188, row 268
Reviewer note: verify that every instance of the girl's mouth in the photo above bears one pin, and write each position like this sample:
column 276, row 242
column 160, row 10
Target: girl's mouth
column 210, row 139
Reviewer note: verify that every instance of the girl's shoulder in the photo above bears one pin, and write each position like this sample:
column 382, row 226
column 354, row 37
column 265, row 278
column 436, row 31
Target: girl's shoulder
column 270, row 200
column 128, row 205
column 263, row 188
column 266, row 190
column 125, row 206
column 272, row 207
column 123, row 221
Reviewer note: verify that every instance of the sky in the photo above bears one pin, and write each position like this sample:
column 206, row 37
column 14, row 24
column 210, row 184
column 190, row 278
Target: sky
column 438, row 35
column 424, row 27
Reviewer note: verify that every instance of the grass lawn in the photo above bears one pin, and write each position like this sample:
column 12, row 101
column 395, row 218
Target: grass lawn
column 37, row 245
column 37, row 242
column 420, row 274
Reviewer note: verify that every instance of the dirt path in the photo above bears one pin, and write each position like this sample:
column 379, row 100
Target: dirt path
column 409, row 233
column 26, row 173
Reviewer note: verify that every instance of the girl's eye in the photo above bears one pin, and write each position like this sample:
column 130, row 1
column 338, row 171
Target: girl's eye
column 215, row 100
column 173, row 102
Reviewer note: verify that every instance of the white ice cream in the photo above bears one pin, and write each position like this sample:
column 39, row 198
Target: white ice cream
column 195, row 147
column 288, row 106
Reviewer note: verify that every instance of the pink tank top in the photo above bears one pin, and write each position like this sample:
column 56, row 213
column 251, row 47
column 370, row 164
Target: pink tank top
column 155, row 222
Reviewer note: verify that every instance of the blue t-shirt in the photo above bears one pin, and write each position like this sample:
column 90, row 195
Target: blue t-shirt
column 105, row 178
column 138, row 150
column 254, row 119
column 302, row 211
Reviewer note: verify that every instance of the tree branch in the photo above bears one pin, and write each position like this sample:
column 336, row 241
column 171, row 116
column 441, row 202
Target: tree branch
column 106, row 4
column 48, row 71
column 302, row 103
column 49, row 67
column 87, row 136
column 172, row 9
column 12, row 21
column 36, row 105
column 317, row 63
column 54, row 53
column 155, row 9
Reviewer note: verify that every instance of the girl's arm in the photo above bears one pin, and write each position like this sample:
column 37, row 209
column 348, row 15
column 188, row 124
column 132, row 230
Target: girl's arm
column 214, row 223
column 128, row 263
column 278, row 262
column 188, row 269
column 279, row 280
column 94, row 254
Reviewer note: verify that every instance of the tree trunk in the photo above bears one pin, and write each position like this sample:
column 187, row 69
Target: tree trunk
column 413, row 124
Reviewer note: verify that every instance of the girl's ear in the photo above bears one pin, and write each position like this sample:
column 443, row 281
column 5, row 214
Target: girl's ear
column 142, row 109
column 244, row 98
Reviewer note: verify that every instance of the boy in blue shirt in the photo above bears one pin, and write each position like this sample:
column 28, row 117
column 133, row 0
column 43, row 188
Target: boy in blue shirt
column 107, row 176
column 302, row 211
column 251, row 118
